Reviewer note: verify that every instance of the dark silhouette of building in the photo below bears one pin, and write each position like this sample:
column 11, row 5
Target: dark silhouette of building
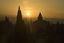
column 40, row 22
column 6, row 31
column 40, row 25
column 20, row 28
column 5, row 25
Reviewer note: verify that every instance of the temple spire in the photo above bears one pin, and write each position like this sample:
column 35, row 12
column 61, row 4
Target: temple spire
column 19, row 16
column 40, row 16
column 19, row 7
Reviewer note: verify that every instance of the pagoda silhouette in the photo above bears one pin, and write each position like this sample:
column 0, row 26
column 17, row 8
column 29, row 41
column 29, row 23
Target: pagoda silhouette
column 40, row 25
column 20, row 28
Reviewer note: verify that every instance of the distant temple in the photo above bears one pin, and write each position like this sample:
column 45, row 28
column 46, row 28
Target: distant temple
column 40, row 24
column 20, row 28
column 19, row 19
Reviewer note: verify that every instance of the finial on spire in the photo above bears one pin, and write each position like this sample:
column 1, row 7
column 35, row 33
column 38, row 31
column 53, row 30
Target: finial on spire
column 40, row 16
column 19, row 7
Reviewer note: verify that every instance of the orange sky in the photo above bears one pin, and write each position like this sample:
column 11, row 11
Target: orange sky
column 49, row 8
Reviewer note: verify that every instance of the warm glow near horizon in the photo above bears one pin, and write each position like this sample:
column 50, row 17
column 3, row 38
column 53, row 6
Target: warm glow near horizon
column 49, row 8
column 28, row 13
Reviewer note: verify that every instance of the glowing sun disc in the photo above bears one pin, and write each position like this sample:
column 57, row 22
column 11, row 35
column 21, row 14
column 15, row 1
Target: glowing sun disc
column 28, row 13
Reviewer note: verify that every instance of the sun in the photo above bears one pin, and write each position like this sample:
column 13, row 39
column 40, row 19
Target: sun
column 28, row 13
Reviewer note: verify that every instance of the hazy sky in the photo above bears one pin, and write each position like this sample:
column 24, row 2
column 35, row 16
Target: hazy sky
column 49, row 8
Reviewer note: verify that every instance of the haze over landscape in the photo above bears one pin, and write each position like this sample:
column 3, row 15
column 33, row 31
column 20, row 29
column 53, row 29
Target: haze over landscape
column 49, row 8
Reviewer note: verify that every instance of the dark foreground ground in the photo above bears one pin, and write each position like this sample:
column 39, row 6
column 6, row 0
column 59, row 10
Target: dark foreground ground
column 9, row 37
